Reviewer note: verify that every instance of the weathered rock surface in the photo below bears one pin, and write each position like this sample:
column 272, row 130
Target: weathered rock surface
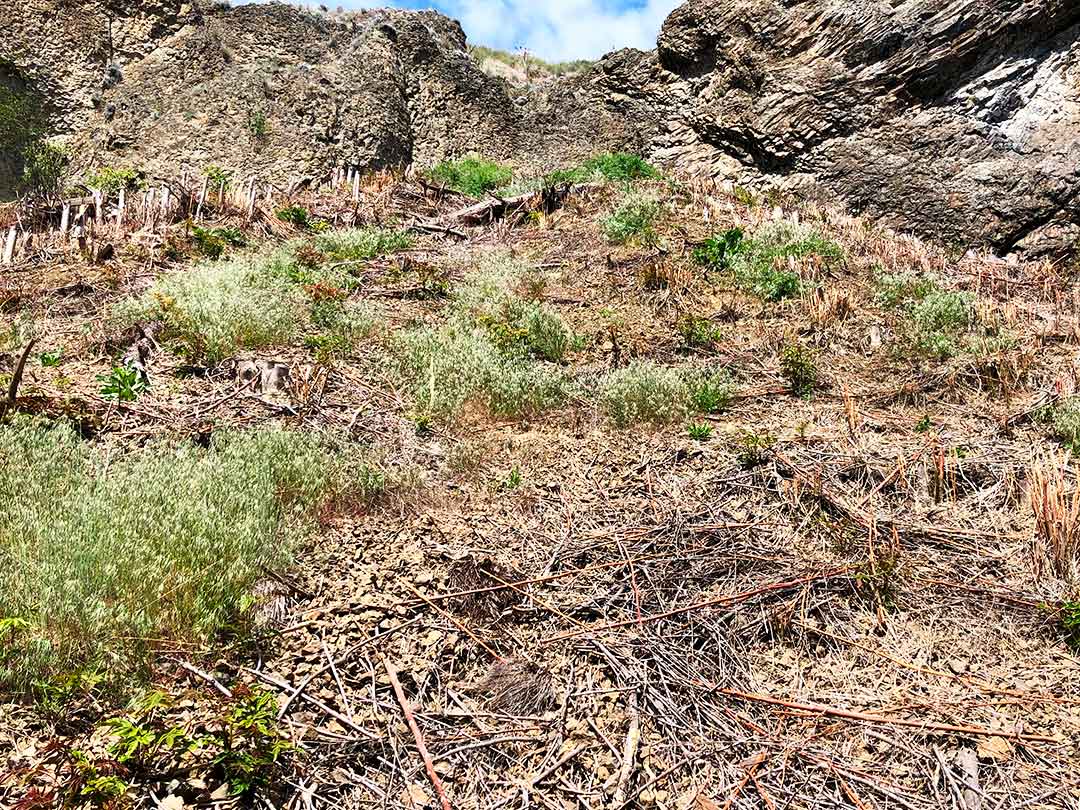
column 959, row 119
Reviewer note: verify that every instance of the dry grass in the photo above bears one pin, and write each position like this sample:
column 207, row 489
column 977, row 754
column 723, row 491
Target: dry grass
column 1055, row 501
column 838, row 592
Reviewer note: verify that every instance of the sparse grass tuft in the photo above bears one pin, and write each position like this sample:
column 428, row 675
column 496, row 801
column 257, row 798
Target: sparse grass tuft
column 472, row 176
column 632, row 221
column 102, row 555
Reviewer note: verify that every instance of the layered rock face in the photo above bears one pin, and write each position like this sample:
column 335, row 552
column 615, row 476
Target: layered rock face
column 959, row 119
column 266, row 89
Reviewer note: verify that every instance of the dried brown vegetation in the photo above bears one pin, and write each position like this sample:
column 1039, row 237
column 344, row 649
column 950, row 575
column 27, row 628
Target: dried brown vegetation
column 828, row 600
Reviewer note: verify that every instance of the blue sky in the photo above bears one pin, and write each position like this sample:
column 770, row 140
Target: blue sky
column 555, row 30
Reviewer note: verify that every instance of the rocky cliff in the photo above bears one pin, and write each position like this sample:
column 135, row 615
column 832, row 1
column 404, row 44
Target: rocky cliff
column 959, row 119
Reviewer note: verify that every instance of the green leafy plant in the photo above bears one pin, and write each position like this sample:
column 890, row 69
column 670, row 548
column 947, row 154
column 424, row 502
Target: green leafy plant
column 632, row 221
column 1065, row 422
column 710, row 391
column 218, row 177
column 300, row 217
column 714, row 253
column 1069, row 616
column 252, row 751
column 752, row 449
column 700, row 432
column 258, row 124
column 473, row 176
column 51, row 359
column 761, row 265
column 513, row 480
column 698, row 333
column 799, row 369
column 213, row 242
column 112, row 180
column 123, row 384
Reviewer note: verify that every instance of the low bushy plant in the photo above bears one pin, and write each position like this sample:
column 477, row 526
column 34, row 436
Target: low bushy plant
column 213, row 310
column 761, row 265
column 799, row 369
column 940, row 320
column 645, row 391
column 1065, row 421
column 632, row 221
column 358, row 244
column 473, row 176
column 104, row 554
column 113, row 180
column 710, row 391
column 458, row 363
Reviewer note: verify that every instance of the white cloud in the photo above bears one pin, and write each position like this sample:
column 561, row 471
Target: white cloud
column 555, row 30
column 560, row 29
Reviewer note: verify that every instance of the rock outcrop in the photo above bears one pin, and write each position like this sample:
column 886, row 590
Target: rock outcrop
column 959, row 119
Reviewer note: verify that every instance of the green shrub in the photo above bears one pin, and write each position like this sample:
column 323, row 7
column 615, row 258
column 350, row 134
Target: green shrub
column 45, row 168
column 1070, row 624
column 697, row 332
column 213, row 242
column 215, row 309
column 760, row 265
column 358, row 244
column 894, row 290
column 713, row 253
column 456, row 363
column 940, row 321
column 1065, row 421
column 472, row 176
column 633, row 221
column 798, row 367
column 103, row 554
column 112, row 180
column 710, row 391
column 300, row 217
column 752, row 449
